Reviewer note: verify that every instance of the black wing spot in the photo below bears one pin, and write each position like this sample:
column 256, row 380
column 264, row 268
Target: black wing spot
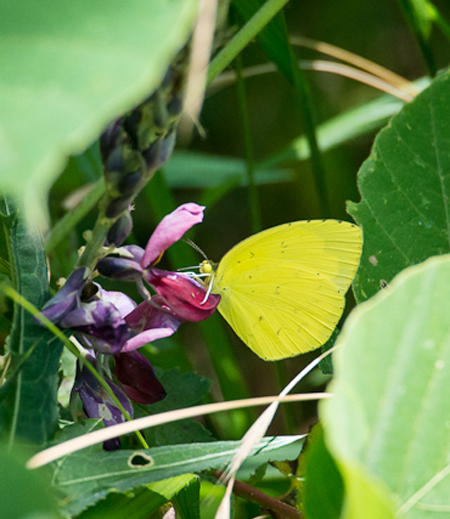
column 261, row 318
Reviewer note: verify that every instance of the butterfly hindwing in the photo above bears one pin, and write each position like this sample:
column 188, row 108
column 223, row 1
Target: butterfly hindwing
column 283, row 290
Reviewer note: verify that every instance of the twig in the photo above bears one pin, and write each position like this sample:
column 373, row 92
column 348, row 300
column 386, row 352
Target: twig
column 260, row 498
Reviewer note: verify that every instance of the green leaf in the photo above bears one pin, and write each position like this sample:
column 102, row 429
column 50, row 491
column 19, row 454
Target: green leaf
column 187, row 500
column 139, row 505
column 389, row 420
column 183, row 390
column 87, row 476
column 24, row 494
column 404, row 209
column 28, row 407
column 323, row 487
column 68, row 69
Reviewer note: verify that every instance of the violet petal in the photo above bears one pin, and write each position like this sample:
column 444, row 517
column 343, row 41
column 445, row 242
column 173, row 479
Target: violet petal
column 102, row 323
column 65, row 299
column 98, row 404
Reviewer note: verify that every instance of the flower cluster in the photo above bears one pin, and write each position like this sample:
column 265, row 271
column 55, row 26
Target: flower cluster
column 111, row 323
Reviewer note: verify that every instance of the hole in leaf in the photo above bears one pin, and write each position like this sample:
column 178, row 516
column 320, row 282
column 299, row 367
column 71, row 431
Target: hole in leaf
column 139, row 459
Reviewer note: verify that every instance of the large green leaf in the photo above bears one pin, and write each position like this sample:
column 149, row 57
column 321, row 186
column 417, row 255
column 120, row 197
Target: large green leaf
column 68, row 68
column 405, row 190
column 24, row 494
column 87, row 476
column 28, row 407
column 388, row 423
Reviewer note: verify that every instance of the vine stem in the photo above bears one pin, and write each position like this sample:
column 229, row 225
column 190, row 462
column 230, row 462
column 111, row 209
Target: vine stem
column 254, row 495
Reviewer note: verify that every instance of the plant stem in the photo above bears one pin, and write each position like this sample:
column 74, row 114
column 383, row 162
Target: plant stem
column 254, row 495
column 255, row 208
column 244, row 36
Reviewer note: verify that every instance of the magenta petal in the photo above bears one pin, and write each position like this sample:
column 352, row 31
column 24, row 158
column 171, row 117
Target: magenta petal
column 185, row 296
column 145, row 337
column 151, row 323
column 170, row 230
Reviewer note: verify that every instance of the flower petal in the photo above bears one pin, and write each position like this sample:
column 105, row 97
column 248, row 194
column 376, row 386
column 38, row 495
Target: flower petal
column 184, row 295
column 65, row 299
column 150, row 323
column 107, row 331
column 137, row 378
column 98, row 404
column 170, row 230
column 121, row 301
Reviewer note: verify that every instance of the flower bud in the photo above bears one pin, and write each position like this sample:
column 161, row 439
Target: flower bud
column 119, row 268
column 120, row 231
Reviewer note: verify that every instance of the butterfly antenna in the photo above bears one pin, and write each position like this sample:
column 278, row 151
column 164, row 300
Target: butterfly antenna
column 195, row 247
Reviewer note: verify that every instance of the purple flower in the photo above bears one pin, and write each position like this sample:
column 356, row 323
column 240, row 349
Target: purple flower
column 97, row 403
column 101, row 323
column 137, row 378
column 67, row 297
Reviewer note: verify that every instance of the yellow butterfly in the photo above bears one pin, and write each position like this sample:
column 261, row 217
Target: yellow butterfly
column 283, row 289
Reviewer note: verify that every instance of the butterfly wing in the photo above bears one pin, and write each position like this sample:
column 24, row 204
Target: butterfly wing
column 283, row 289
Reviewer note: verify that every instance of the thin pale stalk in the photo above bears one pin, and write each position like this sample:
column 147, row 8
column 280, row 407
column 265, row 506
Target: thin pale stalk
column 323, row 66
column 357, row 61
column 82, row 442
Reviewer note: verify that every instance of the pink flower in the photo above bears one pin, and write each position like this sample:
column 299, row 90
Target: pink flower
column 182, row 298
column 170, row 229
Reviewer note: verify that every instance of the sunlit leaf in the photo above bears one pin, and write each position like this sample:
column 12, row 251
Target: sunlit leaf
column 68, row 69
column 389, row 420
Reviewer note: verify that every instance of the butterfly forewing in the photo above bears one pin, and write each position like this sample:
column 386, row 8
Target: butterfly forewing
column 283, row 289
